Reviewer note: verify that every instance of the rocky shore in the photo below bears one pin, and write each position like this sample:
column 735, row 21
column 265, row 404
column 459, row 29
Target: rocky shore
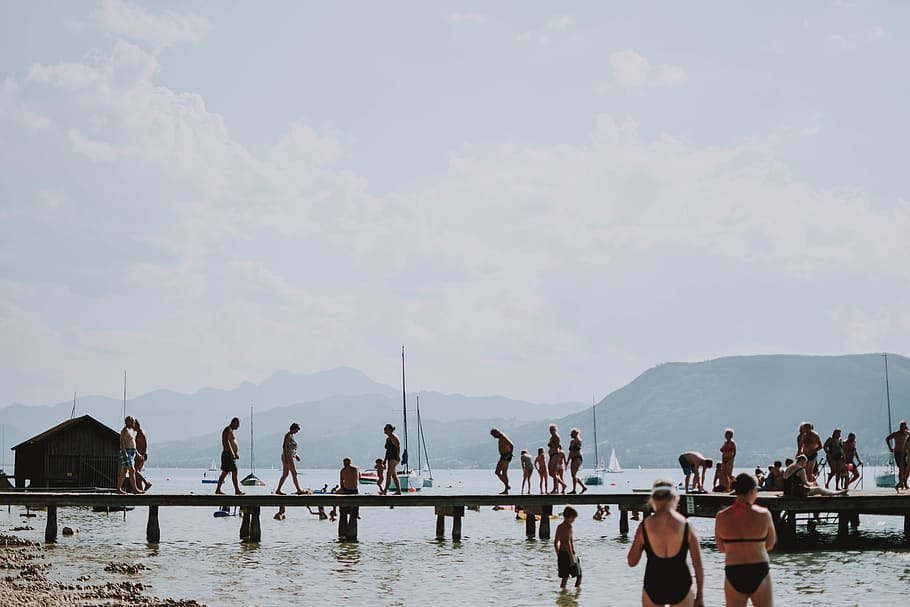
column 31, row 587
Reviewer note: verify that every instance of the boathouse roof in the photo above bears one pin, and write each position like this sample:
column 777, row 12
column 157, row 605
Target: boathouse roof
column 63, row 426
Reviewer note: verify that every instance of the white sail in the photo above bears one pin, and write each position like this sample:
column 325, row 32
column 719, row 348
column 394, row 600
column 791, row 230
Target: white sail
column 614, row 463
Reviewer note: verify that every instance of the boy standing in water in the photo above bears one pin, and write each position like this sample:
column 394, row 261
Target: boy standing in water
column 564, row 544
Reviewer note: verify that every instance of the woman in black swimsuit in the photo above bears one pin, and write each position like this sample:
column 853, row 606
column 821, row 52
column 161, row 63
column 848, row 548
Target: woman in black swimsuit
column 744, row 532
column 392, row 459
column 666, row 538
column 554, row 449
column 575, row 460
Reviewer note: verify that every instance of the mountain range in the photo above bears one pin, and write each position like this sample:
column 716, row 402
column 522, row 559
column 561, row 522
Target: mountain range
column 668, row 409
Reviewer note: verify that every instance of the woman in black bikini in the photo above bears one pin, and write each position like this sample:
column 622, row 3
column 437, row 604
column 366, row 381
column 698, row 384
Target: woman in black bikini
column 666, row 538
column 744, row 532
column 553, row 449
column 575, row 460
column 392, row 459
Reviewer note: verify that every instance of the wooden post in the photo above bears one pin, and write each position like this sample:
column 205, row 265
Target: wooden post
column 255, row 527
column 456, row 525
column 843, row 520
column 245, row 523
column 152, row 531
column 347, row 523
column 624, row 521
column 854, row 520
column 50, row 532
column 440, row 527
column 530, row 525
column 545, row 512
column 907, row 528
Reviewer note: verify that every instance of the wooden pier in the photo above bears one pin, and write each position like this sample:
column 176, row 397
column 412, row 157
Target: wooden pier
column 784, row 509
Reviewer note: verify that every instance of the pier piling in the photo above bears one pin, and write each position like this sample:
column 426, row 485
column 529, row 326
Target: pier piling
column 245, row 523
column 457, row 513
column 544, row 531
column 255, row 527
column 623, row 522
column 50, row 531
column 347, row 523
column 152, row 530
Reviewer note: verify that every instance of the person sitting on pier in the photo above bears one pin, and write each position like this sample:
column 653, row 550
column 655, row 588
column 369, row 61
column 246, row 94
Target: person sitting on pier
column 901, row 438
column 774, row 481
column 564, row 545
column 575, row 460
column 229, row 456
column 744, row 532
column 759, row 475
column 809, row 443
column 392, row 459
column 718, row 485
column 834, row 452
column 851, row 460
column 796, row 482
column 527, row 469
column 727, row 456
column 506, row 449
column 127, row 457
column 690, row 461
column 666, row 537
column 540, row 462
column 320, row 512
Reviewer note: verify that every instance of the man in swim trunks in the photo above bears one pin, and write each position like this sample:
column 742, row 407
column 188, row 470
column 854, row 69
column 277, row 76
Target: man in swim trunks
column 506, row 448
column 809, row 443
column 901, row 437
column 348, row 481
column 834, row 452
column 229, row 456
column 127, row 456
column 851, row 460
column 689, row 462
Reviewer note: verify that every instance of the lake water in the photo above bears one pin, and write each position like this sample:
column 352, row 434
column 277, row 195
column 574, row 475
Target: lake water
column 398, row 562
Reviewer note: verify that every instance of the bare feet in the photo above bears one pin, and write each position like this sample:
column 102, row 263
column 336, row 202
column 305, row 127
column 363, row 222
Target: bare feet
column 121, row 492
column 277, row 492
column 506, row 492
column 301, row 492
column 239, row 493
column 583, row 489
column 219, row 492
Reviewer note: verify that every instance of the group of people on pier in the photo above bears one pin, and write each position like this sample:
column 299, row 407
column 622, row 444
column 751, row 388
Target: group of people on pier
column 549, row 467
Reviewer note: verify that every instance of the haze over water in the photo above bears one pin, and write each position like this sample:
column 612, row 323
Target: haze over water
column 397, row 560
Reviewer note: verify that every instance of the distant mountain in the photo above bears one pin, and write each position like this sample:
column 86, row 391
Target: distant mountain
column 171, row 417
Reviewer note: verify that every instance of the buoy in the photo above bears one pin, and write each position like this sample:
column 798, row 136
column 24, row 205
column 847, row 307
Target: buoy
column 412, row 490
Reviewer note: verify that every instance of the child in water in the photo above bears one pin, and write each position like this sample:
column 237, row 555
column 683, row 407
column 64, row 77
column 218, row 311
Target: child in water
column 527, row 469
column 564, row 545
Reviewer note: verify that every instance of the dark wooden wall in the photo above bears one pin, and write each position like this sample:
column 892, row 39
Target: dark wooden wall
column 85, row 455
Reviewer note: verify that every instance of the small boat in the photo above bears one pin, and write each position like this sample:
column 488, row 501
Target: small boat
column 369, row 477
column 889, row 477
column 113, row 508
column 251, row 480
column 209, row 481
column 596, row 477
column 213, row 466
column 423, row 468
column 410, row 481
column 614, row 467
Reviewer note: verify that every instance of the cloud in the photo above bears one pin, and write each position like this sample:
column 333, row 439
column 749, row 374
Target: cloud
column 99, row 151
column 168, row 28
column 474, row 18
column 865, row 38
column 631, row 70
column 556, row 25
column 561, row 22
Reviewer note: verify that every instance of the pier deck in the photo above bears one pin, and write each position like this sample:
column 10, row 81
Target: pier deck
column 783, row 509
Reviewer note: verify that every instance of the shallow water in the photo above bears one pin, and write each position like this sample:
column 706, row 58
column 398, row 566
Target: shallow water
column 397, row 560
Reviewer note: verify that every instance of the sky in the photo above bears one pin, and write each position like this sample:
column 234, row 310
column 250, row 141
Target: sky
column 538, row 200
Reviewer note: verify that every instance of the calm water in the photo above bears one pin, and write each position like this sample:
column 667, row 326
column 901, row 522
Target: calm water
column 398, row 561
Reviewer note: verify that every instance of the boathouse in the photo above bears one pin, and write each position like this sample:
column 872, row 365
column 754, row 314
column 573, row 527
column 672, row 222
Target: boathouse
column 80, row 452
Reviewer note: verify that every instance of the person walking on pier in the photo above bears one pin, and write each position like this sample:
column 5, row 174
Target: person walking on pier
column 229, row 456
column 744, row 532
column 834, row 453
column 557, row 459
column 564, row 545
column 540, row 462
column 527, row 470
column 851, row 460
column 289, row 458
column 727, row 456
column 575, row 460
column 666, row 537
column 901, row 436
column 142, row 455
column 506, row 450
column 392, row 459
column 690, row 461
column 809, row 443
column 127, row 457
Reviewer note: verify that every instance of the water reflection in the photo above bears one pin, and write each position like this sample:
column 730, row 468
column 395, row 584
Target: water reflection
column 568, row 598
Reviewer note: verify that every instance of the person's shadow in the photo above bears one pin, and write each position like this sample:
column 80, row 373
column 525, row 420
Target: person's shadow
column 568, row 597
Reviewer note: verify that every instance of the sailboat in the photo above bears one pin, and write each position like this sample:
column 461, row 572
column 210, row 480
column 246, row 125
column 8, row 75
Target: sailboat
column 887, row 478
column 422, row 442
column 614, row 466
column 251, row 480
column 409, row 481
column 596, row 477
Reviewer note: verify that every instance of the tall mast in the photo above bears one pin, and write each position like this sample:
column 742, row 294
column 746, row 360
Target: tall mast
column 252, row 453
column 419, row 436
column 887, row 391
column 594, row 412
column 404, row 413
column 73, row 412
column 124, row 393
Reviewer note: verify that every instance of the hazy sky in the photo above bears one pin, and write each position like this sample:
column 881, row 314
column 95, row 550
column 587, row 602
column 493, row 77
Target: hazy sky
column 539, row 200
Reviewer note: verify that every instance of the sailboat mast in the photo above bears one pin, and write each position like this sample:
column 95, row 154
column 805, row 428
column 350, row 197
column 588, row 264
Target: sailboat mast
column 124, row 393
column 73, row 412
column 594, row 412
column 404, row 413
column 419, row 436
column 252, row 452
